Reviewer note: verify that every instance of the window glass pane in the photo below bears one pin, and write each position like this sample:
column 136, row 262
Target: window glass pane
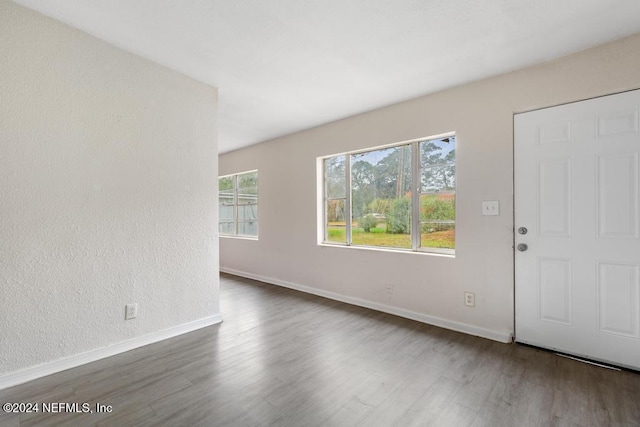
column 248, row 228
column 381, row 197
column 226, row 228
column 247, row 212
column 336, row 224
column 439, row 179
column 225, row 202
column 438, row 165
column 248, row 184
column 437, row 200
column 226, row 213
column 437, row 220
column 335, row 178
column 225, row 186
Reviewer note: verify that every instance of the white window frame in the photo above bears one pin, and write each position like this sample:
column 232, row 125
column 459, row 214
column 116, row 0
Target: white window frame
column 416, row 174
column 236, row 221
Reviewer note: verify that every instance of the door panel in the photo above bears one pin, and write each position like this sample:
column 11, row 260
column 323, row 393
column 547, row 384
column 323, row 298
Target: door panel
column 617, row 191
column 554, row 289
column 618, row 304
column 554, row 206
column 576, row 191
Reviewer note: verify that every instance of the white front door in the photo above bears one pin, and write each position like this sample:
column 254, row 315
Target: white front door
column 576, row 193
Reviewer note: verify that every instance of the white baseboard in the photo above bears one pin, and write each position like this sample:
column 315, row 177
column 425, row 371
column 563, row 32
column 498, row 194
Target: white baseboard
column 34, row 372
column 505, row 337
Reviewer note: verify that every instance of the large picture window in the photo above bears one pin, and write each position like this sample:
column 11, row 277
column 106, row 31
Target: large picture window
column 369, row 197
column 238, row 204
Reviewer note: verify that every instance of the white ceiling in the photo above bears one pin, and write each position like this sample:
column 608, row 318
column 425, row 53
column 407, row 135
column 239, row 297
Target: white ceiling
column 286, row 65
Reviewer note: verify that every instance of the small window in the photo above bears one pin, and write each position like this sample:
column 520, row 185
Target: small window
column 369, row 198
column 238, row 204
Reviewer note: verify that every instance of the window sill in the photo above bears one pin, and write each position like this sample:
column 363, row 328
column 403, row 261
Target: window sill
column 233, row 236
column 434, row 252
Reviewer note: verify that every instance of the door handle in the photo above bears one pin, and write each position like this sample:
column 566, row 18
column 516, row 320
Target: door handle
column 522, row 247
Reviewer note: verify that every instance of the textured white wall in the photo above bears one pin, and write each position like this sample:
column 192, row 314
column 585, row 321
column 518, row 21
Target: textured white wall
column 108, row 167
column 481, row 114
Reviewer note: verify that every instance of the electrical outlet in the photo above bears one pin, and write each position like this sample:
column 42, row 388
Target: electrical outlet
column 469, row 299
column 131, row 311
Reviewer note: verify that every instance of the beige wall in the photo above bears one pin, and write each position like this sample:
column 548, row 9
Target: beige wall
column 426, row 287
column 108, row 165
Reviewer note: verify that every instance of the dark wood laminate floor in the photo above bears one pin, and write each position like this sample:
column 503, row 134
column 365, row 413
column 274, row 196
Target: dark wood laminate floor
column 285, row 358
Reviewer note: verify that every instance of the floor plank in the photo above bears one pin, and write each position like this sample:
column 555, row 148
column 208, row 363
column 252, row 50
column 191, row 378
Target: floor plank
column 285, row 358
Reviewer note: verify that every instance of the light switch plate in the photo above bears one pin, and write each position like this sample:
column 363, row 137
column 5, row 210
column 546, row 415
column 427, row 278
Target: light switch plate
column 491, row 207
